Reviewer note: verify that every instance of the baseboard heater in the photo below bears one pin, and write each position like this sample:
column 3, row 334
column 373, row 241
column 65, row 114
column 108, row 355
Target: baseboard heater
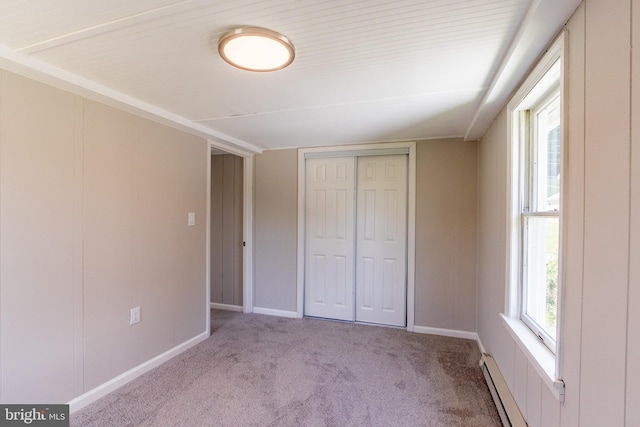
column 505, row 403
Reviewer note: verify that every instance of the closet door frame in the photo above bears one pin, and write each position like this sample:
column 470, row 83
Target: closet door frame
column 408, row 148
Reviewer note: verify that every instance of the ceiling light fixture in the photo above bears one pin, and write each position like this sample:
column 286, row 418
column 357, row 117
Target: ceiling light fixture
column 256, row 49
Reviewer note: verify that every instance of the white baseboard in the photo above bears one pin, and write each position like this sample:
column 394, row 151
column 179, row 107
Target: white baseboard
column 117, row 382
column 446, row 332
column 227, row 307
column 273, row 312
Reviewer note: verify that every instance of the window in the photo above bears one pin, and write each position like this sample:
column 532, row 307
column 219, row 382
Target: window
column 536, row 124
column 540, row 217
column 533, row 307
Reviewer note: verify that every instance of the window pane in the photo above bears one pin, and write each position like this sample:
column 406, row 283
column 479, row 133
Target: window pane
column 541, row 271
column 546, row 165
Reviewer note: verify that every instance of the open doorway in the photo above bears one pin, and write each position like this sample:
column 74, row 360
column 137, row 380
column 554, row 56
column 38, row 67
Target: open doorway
column 226, row 236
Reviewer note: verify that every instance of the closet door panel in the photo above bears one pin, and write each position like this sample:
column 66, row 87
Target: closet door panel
column 329, row 247
column 381, row 241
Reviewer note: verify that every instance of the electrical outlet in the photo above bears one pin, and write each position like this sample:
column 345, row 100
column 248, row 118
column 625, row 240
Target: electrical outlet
column 134, row 316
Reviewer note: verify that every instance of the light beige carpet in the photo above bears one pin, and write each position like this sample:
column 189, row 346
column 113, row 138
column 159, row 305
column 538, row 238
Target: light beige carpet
column 259, row 370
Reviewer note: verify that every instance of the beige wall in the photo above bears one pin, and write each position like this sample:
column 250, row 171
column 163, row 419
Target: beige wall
column 445, row 233
column 446, row 175
column 39, row 278
column 226, row 229
column 93, row 213
column 275, row 229
column 601, row 336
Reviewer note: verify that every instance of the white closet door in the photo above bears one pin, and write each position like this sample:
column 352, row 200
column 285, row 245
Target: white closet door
column 330, row 238
column 381, row 265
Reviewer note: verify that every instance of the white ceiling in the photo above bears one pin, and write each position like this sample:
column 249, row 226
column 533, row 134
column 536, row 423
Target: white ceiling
column 365, row 70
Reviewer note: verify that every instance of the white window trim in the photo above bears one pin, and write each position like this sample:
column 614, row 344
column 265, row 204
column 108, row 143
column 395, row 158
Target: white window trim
column 540, row 357
column 527, row 210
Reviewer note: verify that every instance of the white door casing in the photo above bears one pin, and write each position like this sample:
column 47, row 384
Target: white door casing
column 373, row 242
column 329, row 266
column 386, row 148
column 381, row 245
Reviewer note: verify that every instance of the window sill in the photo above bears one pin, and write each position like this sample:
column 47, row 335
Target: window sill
column 539, row 356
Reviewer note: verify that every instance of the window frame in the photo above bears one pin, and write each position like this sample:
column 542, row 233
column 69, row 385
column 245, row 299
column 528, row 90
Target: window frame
column 529, row 134
column 540, row 356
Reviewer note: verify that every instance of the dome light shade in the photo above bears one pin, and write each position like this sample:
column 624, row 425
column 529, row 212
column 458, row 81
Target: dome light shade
column 256, row 49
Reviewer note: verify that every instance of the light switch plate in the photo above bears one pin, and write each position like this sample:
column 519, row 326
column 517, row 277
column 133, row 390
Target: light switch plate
column 134, row 316
column 191, row 219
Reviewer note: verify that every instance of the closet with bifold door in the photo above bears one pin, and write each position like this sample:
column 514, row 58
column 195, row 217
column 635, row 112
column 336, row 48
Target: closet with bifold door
column 356, row 238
